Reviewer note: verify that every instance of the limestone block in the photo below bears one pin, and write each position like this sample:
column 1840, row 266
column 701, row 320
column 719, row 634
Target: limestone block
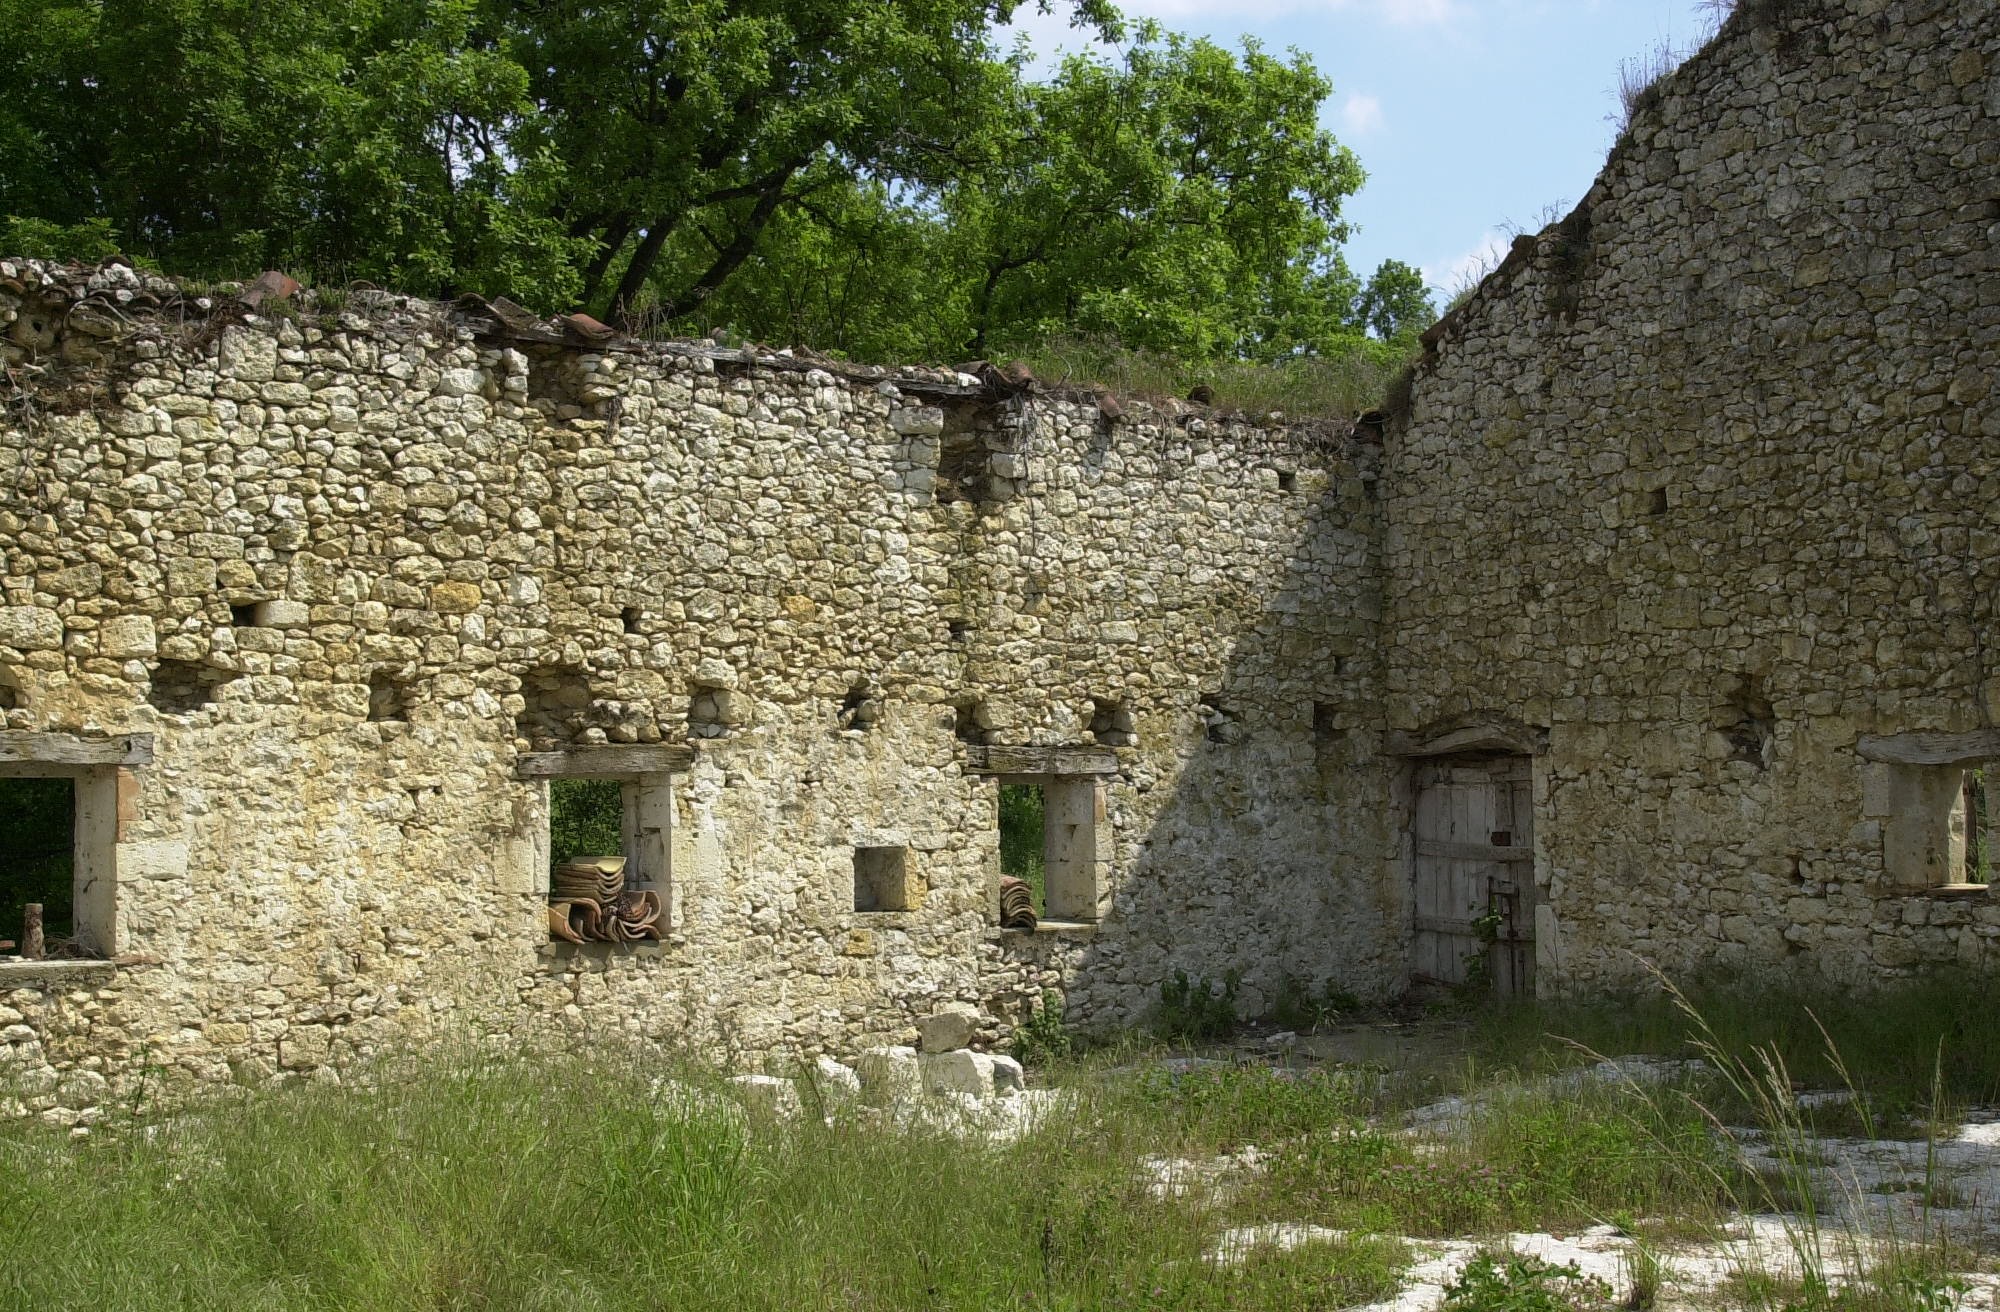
column 1008, row 1076
column 461, row 382
column 158, row 858
column 126, row 636
column 917, row 421
column 766, row 1094
column 455, row 598
column 30, row 628
column 949, row 1029
column 958, row 1072
column 889, row 1075
column 304, row 1047
column 284, row 614
column 835, row 1077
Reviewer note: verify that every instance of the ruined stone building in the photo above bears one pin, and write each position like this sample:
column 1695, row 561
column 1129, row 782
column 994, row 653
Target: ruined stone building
column 1650, row 624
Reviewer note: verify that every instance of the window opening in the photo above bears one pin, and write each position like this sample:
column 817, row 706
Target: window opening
column 388, row 699
column 1022, row 817
column 37, row 860
column 882, row 880
column 607, row 857
column 1287, row 480
column 1218, row 725
column 1111, row 723
column 968, row 722
column 1746, row 721
column 183, row 687
column 1053, row 839
column 629, row 617
column 244, row 616
column 860, row 709
column 586, row 820
column 1971, row 832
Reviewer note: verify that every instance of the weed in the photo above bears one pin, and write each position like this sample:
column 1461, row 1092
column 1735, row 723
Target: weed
column 1192, row 1010
column 1217, row 1108
column 1645, row 1274
column 1298, row 1006
column 1890, row 1037
column 1042, row 1037
column 1338, row 387
column 1516, row 1282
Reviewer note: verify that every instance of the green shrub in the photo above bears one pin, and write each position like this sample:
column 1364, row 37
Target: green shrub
column 1516, row 1282
column 1298, row 1007
column 1042, row 1037
column 1192, row 1010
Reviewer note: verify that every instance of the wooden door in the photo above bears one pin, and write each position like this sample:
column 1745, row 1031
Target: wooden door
column 1473, row 865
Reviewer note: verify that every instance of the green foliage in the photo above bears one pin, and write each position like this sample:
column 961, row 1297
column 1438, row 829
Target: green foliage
column 38, row 239
column 1517, row 1282
column 1525, row 1159
column 37, row 819
column 1043, row 1038
column 870, row 178
column 1193, row 1010
column 1298, row 1006
column 1022, row 845
column 586, row 818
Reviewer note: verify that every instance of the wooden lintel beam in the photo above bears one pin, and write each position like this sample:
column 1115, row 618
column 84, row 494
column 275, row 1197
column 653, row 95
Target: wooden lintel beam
column 1931, row 748
column 28, row 747
column 610, row 759
column 993, row 759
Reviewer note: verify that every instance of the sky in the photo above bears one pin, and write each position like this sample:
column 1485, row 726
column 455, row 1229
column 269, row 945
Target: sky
column 1473, row 118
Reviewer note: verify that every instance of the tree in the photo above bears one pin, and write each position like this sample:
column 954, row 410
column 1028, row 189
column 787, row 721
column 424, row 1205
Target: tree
column 362, row 138
column 1183, row 200
column 869, row 176
column 1395, row 305
column 690, row 126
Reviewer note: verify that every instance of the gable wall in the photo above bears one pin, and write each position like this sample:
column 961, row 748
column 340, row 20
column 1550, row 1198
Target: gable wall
column 1727, row 437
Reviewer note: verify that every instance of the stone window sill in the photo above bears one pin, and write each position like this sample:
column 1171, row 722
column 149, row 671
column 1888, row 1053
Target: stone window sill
column 1058, row 927
column 56, row 973
column 1955, row 892
column 560, row 951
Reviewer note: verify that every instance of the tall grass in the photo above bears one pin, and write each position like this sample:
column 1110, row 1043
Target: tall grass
column 524, row 1184
column 1918, row 1048
column 1308, row 386
column 467, row 1182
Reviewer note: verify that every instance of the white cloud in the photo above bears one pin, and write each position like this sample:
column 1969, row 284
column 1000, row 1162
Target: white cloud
column 1447, row 277
column 1360, row 114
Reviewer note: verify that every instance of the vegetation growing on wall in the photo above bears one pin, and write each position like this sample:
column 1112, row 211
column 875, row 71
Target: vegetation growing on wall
column 875, row 179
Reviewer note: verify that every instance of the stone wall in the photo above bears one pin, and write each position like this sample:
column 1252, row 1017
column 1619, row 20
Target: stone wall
column 350, row 568
column 1705, row 480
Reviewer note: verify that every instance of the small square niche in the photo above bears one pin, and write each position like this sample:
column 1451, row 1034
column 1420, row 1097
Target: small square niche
column 883, row 880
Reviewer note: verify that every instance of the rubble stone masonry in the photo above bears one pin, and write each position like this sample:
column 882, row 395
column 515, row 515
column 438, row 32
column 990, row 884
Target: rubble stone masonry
column 1705, row 481
column 1696, row 503
column 351, row 570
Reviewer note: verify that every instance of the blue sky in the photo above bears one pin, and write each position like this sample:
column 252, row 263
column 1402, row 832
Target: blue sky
column 1468, row 115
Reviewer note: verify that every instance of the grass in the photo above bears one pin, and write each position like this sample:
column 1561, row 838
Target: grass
column 564, row 1184
column 467, row 1181
column 1528, row 1159
column 1915, row 1051
column 1308, row 386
